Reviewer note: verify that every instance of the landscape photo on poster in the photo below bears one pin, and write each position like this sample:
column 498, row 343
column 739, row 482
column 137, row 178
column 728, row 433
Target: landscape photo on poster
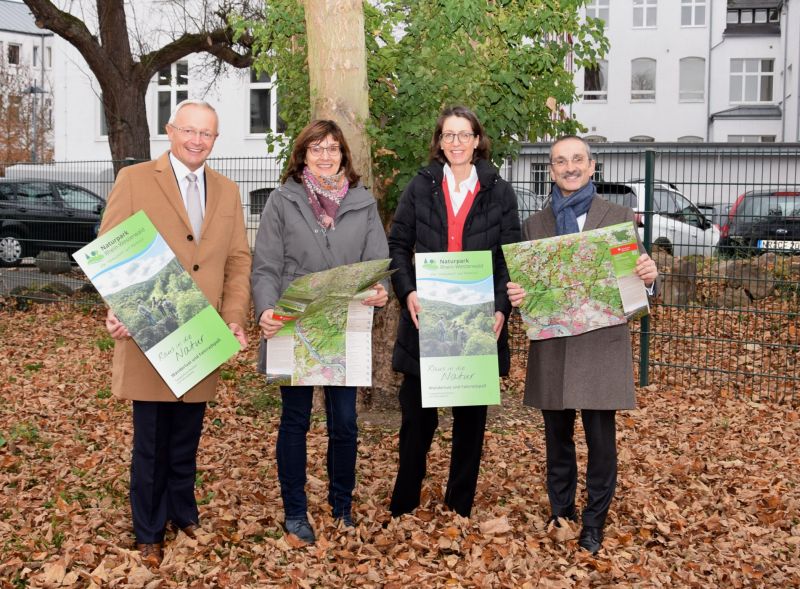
column 169, row 318
column 457, row 345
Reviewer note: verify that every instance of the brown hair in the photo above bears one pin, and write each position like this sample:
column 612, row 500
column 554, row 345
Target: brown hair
column 315, row 132
column 481, row 152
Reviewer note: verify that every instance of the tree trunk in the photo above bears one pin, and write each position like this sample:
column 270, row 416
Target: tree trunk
column 126, row 119
column 337, row 65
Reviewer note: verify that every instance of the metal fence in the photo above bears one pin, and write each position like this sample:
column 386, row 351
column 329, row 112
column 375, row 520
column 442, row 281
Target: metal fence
column 721, row 221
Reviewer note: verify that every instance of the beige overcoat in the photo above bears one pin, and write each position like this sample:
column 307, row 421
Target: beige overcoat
column 219, row 264
column 593, row 370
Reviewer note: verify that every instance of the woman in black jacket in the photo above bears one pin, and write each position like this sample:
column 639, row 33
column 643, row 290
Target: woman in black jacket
column 460, row 184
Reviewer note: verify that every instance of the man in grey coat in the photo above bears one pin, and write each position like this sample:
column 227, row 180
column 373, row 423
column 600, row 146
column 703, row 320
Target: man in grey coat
column 593, row 371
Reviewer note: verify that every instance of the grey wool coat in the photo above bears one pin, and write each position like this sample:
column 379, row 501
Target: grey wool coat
column 290, row 243
column 593, row 370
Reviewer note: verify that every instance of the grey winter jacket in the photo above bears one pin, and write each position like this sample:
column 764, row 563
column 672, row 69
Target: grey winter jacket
column 290, row 243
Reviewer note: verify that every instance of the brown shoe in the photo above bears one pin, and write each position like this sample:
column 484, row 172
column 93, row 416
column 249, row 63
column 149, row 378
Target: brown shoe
column 190, row 530
column 152, row 554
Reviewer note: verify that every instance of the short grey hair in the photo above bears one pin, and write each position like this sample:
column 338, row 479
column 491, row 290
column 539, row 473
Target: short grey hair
column 187, row 102
column 565, row 137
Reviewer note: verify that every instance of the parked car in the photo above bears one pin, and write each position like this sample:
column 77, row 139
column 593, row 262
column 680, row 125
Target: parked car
column 715, row 212
column 763, row 220
column 528, row 201
column 678, row 225
column 38, row 215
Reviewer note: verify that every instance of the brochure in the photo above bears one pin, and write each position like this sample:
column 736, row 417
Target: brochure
column 578, row 282
column 139, row 277
column 458, row 350
column 327, row 337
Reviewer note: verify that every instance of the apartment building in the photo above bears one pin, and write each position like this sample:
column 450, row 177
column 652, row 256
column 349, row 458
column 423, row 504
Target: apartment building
column 694, row 71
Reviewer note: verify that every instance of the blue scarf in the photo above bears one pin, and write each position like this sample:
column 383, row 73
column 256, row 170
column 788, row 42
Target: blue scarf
column 567, row 209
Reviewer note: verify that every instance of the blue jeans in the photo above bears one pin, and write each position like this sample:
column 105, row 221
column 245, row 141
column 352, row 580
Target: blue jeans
column 340, row 408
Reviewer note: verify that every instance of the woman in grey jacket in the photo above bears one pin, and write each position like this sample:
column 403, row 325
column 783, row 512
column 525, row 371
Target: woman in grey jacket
column 318, row 219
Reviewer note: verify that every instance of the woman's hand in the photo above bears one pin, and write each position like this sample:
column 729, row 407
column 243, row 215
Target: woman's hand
column 115, row 327
column 413, row 306
column 269, row 326
column 515, row 293
column 499, row 319
column 646, row 269
column 379, row 299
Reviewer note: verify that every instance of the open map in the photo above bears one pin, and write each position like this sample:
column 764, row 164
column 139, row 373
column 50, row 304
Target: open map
column 327, row 338
column 578, row 282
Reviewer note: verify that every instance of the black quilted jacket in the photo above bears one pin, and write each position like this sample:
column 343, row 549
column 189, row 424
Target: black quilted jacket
column 420, row 225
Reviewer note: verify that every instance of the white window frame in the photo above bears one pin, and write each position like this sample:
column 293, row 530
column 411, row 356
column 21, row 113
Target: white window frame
column 595, row 96
column 19, row 54
column 691, row 95
column 638, row 95
column 273, row 104
column 645, row 9
column 49, row 52
column 751, row 138
column 598, row 9
column 177, row 92
column 694, row 7
column 35, row 56
column 758, row 77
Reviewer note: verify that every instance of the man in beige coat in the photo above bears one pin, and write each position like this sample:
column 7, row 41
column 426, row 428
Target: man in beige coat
column 592, row 372
column 198, row 212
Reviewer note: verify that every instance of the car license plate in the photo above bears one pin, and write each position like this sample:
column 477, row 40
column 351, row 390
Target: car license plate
column 777, row 244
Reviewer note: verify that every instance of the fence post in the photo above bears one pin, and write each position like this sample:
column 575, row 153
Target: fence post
column 644, row 334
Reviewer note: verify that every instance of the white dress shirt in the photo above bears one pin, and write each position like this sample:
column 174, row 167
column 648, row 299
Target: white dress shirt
column 459, row 194
column 181, row 171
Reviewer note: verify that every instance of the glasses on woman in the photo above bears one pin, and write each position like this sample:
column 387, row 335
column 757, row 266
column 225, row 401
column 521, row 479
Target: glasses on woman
column 463, row 137
column 318, row 150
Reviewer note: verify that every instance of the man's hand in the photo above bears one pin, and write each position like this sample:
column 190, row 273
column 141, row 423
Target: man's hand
column 414, row 308
column 269, row 326
column 499, row 319
column 515, row 293
column 115, row 327
column 239, row 334
column 646, row 269
column 379, row 299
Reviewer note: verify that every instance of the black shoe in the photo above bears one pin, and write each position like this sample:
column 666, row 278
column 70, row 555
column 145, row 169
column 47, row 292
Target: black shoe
column 591, row 539
column 346, row 521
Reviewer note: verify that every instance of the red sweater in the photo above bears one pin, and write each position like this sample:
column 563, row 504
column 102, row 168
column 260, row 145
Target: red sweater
column 455, row 223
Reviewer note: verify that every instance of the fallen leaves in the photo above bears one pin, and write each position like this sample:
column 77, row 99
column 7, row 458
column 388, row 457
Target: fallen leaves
column 708, row 491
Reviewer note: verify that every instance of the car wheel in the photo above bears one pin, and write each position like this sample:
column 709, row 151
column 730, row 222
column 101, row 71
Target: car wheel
column 664, row 244
column 11, row 250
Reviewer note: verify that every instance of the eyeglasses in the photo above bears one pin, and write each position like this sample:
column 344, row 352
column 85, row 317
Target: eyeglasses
column 317, row 150
column 189, row 133
column 560, row 162
column 463, row 137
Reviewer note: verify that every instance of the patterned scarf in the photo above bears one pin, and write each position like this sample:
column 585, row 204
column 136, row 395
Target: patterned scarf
column 567, row 209
column 325, row 194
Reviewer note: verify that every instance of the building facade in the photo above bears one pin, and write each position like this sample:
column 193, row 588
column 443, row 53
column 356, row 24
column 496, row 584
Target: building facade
column 694, row 71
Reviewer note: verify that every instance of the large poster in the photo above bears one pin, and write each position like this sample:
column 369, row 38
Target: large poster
column 578, row 282
column 327, row 338
column 458, row 349
column 138, row 275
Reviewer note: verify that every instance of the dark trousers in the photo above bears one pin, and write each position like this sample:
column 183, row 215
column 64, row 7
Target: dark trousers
column 340, row 409
column 163, row 466
column 562, row 468
column 416, row 434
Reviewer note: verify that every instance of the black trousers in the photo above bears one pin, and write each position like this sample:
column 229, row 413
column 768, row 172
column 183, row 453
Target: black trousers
column 164, row 466
column 562, row 468
column 416, row 435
